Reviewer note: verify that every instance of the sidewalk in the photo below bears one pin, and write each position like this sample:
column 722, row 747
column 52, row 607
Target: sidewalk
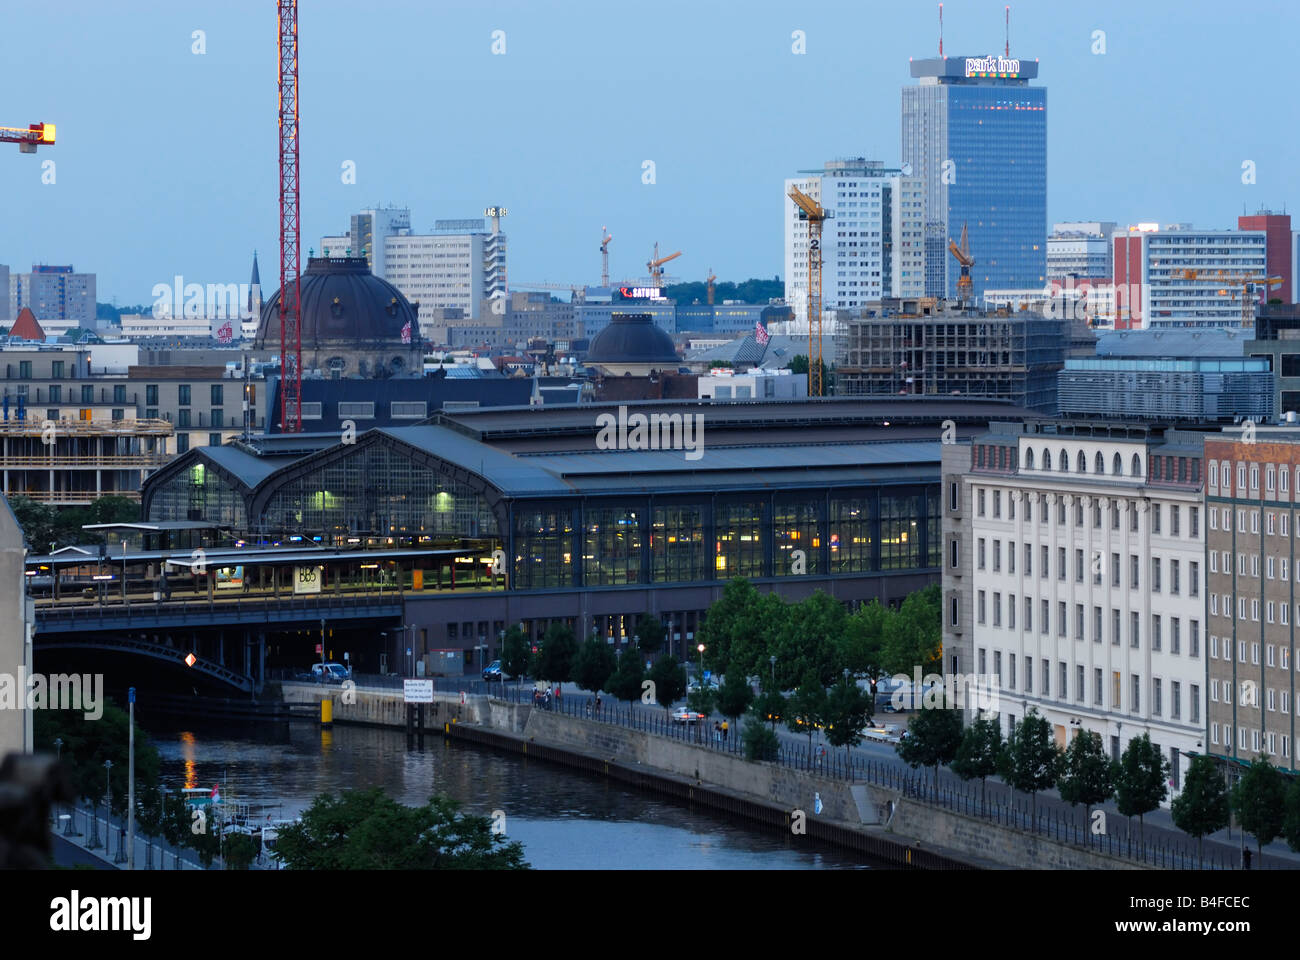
column 156, row 855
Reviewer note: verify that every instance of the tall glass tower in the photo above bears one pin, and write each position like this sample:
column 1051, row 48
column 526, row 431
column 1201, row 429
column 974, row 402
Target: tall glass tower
column 975, row 132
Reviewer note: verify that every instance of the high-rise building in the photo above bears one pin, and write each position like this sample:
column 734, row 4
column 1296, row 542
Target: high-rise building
column 1081, row 250
column 61, row 298
column 461, row 264
column 873, row 245
column 1278, row 243
column 1152, row 291
column 6, row 317
column 1072, row 574
column 975, row 132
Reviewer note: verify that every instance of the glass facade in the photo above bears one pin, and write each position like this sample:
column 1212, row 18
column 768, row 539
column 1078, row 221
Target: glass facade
column 611, row 545
column 796, row 527
column 851, row 534
column 677, row 544
column 378, row 492
column 982, row 150
column 543, row 546
column 199, row 493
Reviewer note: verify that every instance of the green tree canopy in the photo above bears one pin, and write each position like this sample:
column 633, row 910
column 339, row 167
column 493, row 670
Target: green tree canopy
column 88, row 743
column 980, row 752
column 650, row 633
column 734, row 695
column 1086, row 775
column 626, row 681
column 848, row 709
column 515, row 654
column 1202, row 807
column 811, row 639
column 1031, row 758
column 1259, row 799
column 558, row 650
column 913, row 635
column 594, row 665
column 862, row 643
column 368, row 830
column 933, row 738
column 669, row 678
column 1141, row 782
column 806, row 708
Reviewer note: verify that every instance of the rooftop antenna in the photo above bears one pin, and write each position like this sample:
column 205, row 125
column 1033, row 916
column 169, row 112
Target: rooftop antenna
column 941, row 31
column 1008, row 33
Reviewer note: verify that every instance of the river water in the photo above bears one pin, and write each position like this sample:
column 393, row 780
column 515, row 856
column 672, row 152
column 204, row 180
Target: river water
column 565, row 819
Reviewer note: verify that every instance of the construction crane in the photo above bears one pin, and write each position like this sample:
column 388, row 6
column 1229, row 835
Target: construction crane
column 962, row 253
column 709, row 284
column 1240, row 283
column 36, row 135
column 815, row 214
column 290, row 231
column 656, row 266
column 606, row 236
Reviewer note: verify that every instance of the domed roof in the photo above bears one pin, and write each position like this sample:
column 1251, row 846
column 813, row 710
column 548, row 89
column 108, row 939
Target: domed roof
column 632, row 338
column 342, row 302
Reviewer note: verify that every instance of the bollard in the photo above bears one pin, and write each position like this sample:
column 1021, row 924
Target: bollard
column 327, row 712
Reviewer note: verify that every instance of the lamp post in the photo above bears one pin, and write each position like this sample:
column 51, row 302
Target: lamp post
column 108, row 802
column 58, row 748
column 772, row 661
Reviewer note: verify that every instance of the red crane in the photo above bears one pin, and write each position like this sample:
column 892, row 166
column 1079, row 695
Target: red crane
column 36, row 135
column 290, row 234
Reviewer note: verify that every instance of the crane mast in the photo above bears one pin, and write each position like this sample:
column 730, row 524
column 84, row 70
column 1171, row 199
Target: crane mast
column 290, row 232
column 813, row 212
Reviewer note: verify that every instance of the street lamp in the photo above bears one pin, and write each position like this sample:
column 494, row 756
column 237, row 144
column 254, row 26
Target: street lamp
column 108, row 803
column 772, row 661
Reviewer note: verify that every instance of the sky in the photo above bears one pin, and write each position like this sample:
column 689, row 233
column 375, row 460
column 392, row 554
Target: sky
column 166, row 160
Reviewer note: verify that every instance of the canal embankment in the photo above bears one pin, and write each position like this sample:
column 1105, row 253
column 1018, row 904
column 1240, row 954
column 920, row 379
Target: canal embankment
column 883, row 820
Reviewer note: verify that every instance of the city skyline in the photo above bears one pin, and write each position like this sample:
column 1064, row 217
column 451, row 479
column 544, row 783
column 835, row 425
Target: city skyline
column 581, row 111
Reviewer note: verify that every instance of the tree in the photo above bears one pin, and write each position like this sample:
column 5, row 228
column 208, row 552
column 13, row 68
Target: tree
column 734, row 695
column 1259, row 798
column 913, row 635
column 811, row 639
column 1291, row 817
column 625, row 684
column 176, row 821
column 368, row 830
column 37, row 521
column 515, row 654
column 557, row 653
column 1087, row 775
column 1141, row 782
column 703, row 699
column 1202, row 807
column 862, row 642
column 1030, row 759
column 722, row 623
column 770, row 705
column 933, row 737
column 594, row 665
column 760, row 742
column 799, row 364
column 87, row 743
column 806, row 709
column 847, row 711
column 980, row 752
column 650, row 634
column 669, row 679
column 241, row 851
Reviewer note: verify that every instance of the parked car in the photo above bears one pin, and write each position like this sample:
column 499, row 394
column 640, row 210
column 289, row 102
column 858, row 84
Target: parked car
column 492, row 671
column 684, row 715
column 329, row 672
column 695, row 685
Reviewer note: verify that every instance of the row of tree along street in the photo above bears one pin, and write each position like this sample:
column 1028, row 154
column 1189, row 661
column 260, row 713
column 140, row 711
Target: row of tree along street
column 806, row 659
column 1266, row 806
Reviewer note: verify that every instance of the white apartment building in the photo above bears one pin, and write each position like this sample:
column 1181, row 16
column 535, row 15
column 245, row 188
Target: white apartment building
column 1153, row 291
column 61, row 298
column 1073, row 572
column 1080, row 249
column 873, row 245
column 461, row 264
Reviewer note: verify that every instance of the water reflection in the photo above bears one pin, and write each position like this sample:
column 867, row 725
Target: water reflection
column 565, row 819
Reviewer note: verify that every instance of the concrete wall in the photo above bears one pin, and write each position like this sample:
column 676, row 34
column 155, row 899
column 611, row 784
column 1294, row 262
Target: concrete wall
column 15, row 724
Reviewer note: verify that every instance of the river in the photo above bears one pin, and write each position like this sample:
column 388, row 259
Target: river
column 565, row 819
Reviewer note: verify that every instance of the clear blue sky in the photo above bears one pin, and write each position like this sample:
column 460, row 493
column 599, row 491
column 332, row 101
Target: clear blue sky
column 166, row 160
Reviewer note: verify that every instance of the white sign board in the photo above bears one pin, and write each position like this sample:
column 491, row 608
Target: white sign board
column 306, row 579
column 417, row 691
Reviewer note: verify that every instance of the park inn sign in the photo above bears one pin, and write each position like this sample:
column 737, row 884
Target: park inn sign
column 975, row 66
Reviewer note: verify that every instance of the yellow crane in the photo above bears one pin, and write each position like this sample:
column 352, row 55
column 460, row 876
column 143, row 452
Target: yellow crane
column 709, row 284
column 962, row 253
column 1241, row 284
column 656, row 266
column 604, row 256
column 814, row 214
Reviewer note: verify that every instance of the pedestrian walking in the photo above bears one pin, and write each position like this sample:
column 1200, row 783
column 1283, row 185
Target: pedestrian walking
column 724, row 731
column 597, row 704
column 717, row 732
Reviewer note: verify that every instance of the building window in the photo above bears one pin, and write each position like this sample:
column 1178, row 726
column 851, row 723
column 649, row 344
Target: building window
column 997, row 609
column 1060, row 618
column 1175, row 635
column 151, row 394
column 1174, row 585
column 1135, row 684
column 1114, row 627
column 119, row 393
column 979, row 608
column 182, row 418
column 183, row 395
column 1194, row 578
column 1194, row 704
column 979, row 553
column 1133, row 571
column 1155, row 575
column 1096, row 624
column 214, row 439
column 1133, row 626
column 217, row 391
column 1096, row 686
column 87, row 393
column 1043, row 617
column 182, row 442
column 1155, row 631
